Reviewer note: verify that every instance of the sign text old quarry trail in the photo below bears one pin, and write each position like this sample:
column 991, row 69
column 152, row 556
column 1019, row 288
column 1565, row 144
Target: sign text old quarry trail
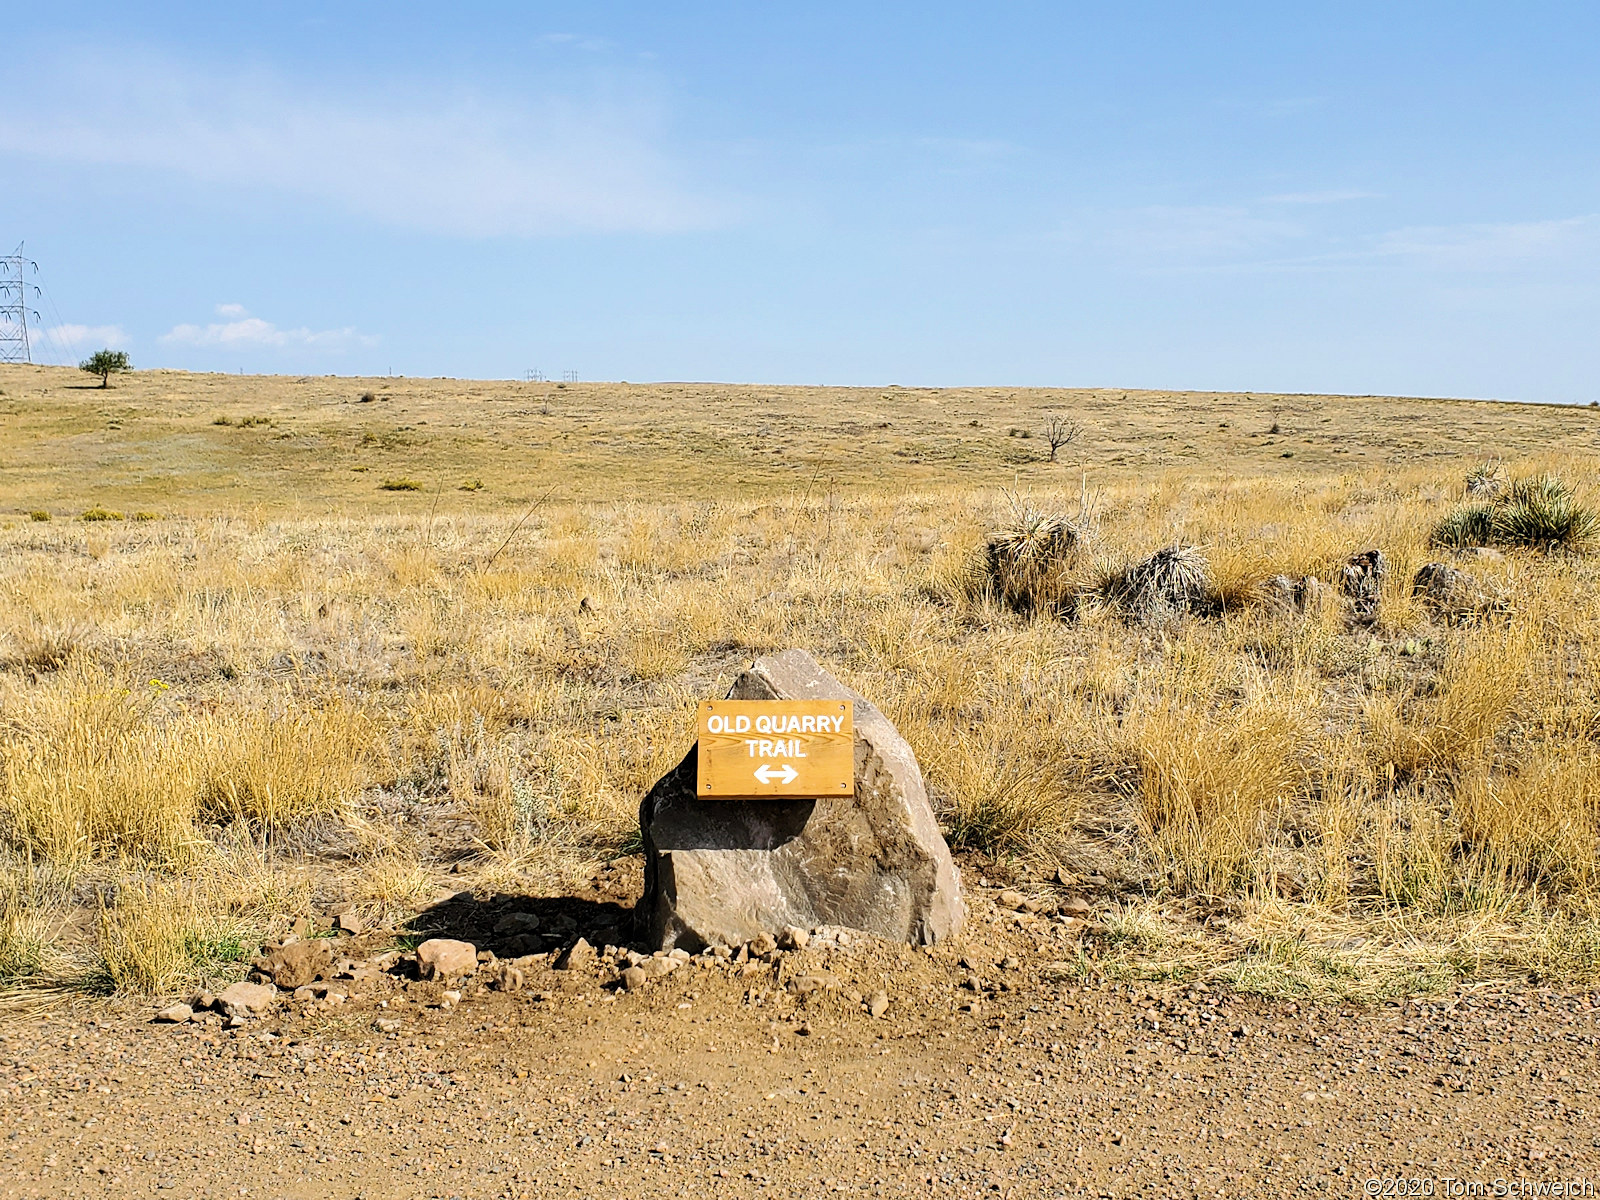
column 776, row 748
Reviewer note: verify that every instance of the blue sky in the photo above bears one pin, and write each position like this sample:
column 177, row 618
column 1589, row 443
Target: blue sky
column 1394, row 198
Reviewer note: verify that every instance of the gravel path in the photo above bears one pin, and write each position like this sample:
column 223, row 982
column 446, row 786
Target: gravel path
column 721, row 1080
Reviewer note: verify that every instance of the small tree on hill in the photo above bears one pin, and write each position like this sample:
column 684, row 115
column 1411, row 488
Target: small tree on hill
column 105, row 363
column 1059, row 432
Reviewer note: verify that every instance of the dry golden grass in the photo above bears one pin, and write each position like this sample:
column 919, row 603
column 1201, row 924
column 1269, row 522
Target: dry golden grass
column 298, row 674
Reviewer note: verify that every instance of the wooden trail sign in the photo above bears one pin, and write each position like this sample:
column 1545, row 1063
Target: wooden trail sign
column 755, row 748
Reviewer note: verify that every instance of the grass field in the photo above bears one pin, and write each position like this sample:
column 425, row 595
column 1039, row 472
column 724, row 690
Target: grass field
column 267, row 642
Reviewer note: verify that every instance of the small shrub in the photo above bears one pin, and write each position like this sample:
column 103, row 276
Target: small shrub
column 247, row 422
column 98, row 513
column 38, row 514
column 367, row 397
column 222, row 421
column 400, row 485
column 472, row 485
column 145, row 514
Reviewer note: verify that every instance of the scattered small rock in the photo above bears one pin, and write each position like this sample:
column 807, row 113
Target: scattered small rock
column 508, row 978
column 297, row 964
column 1075, row 906
column 240, row 1000
column 446, row 958
column 763, row 943
column 1011, row 899
column 175, row 1014
column 634, row 978
column 577, row 957
column 351, row 923
column 878, row 1005
column 656, row 968
column 793, row 938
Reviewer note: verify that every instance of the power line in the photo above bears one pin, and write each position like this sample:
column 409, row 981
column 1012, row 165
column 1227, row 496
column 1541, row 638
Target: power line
column 14, row 307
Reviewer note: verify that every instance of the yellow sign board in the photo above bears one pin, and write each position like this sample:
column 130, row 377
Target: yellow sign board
column 777, row 748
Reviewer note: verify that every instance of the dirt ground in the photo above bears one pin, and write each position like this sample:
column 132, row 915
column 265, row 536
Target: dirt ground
column 1003, row 1066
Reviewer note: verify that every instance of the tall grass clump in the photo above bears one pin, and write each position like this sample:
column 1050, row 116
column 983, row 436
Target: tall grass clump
column 27, row 920
column 91, row 767
column 1540, row 826
column 157, row 936
column 268, row 769
column 1451, row 731
column 84, row 772
column 1214, row 785
column 1007, row 790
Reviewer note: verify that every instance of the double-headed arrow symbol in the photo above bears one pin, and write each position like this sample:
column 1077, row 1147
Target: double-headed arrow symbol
column 766, row 773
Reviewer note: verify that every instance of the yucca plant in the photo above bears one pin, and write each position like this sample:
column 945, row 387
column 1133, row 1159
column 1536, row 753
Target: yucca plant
column 1171, row 582
column 1546, row 519
column 1469, row 525
column 1540, row 511
column 1028, row 565
column 1486, row 481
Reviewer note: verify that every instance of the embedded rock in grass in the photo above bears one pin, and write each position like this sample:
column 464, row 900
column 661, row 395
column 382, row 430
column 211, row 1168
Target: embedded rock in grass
column 1284, row 594
column 1449, row 592
column 727, row 872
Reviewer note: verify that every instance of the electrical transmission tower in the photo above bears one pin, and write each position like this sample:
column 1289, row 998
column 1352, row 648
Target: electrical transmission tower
column 15, row 307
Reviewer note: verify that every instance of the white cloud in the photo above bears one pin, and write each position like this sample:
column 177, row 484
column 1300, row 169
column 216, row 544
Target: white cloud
column 1181, row 233
column 579, row 41
column 254, row 332
column 1496, row 245
column 1330, row 197
column 232, row 310
column 458, row 163
column 74, row 336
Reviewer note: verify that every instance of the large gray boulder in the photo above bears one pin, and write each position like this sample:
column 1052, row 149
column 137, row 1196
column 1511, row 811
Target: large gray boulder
column 721, row 872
